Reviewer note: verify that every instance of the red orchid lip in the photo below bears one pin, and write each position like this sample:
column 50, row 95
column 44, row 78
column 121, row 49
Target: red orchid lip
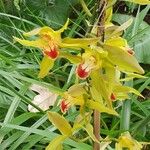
column 113, row 97
column 53, row 53
column 82, row 73
column 64, row 106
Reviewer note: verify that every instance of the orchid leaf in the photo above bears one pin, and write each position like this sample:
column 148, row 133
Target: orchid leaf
column 60, row 122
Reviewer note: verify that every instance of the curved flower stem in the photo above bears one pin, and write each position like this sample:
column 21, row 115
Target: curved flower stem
column 96, row 129
column 100, row 33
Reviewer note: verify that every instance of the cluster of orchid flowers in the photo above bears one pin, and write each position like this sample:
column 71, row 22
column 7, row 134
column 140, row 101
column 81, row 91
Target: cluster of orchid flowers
column 100, row 62
column 99, row 69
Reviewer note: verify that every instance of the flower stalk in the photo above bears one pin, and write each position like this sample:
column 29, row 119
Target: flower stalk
column 100, row 33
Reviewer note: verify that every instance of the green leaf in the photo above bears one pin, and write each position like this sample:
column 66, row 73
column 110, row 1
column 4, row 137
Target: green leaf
column 55, row 13
column 60, row 122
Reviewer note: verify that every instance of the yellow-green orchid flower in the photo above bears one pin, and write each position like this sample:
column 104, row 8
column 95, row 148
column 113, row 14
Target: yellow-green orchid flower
column 50, row 42
column 121, row 55
column 66, row 130
column 75, row 95
column 91, row 60
column 126, row 141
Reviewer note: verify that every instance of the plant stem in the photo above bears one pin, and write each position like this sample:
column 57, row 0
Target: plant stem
column 100, row 33
column 96, row 129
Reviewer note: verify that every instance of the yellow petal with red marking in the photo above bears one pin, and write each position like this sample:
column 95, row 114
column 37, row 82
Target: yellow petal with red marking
column 45, row 66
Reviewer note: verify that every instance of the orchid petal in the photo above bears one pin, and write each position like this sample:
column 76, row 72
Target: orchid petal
column 77, row 90
column 39, row 43
column 89, row 130
column 47, row 30
column 55, row 144
column 100, row 85
column 108, row 16
column 38, row 31
column 126, row 89
column 123, row 59
column 141, row 2
column 32, row 32
column 126, row 141
column 45, row 66
column 122, row 27
column 60, row 122
column 80, row 41
column 64, row 27
column 100, row 107
column 118, row 42
column 131, row 76
column 43, row 101
column 72, row 58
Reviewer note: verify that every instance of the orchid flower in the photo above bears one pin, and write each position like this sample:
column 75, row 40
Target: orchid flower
column 126, row 141
column 50, row 42
column 91, row 60
column 66, row 130
column 43, row 100
column 77, row 95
